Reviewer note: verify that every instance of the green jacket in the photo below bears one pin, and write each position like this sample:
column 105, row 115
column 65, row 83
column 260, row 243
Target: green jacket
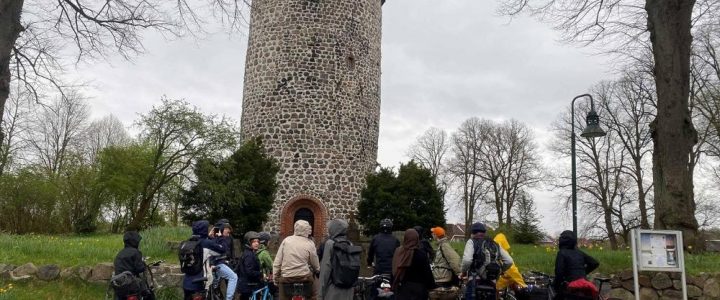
column 266, row 262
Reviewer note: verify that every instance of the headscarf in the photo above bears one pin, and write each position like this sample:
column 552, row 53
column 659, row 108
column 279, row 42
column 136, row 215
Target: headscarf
column 404, row 254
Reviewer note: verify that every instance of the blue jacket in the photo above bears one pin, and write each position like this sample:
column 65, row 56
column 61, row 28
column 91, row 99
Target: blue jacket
column 200, row 228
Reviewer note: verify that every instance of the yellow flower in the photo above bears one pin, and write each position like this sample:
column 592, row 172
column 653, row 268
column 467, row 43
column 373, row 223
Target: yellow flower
column 601, row 248
column 690, row 247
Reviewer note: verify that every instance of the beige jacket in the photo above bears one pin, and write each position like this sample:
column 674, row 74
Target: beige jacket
column 447, row 262
column 297, row 255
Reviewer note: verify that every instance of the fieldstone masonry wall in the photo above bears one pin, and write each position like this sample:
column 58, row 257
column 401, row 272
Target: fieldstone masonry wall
column 312, row 92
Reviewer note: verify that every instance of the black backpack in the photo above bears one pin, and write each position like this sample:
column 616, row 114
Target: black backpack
column 190, row 255
column 485, row 261
column 345, row 263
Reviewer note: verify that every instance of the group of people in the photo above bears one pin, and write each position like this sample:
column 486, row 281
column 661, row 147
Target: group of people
column 415, row 268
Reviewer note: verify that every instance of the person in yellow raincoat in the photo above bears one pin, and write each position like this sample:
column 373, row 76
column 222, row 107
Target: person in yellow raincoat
column 512, row 277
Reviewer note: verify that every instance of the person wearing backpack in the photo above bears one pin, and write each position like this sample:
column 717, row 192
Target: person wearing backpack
column 483, row 261
column 511, row 277
column 412, row 276
column 425, row 243
column 446, row 266
column 336, row 282
column 571, row 266
column 190, row 255
column 130, row 259
column 249, row 275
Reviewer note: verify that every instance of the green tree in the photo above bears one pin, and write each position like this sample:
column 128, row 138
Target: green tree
column 410, row 198
column 526, row 229
column 178, row 135
column 240, row 188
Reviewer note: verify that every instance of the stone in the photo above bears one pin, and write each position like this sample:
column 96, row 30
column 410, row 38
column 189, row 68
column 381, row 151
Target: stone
column 170, row 280
column 101, row 272
column 628, row 285
column 644, row 281
column 21, row 279
column 677, row 284
column 694, row 291
column 661, row 281
column 675, row 275
column 671, row 295
column 48, row 273
column 696, row 280
column 711, row 288
column 5, row 275
column 84, row 272
column 621, row 294
column 26, row 269
column 615, row 282
column 170, row 269
column 648, row 294
column 626, row 275
column 67, row 273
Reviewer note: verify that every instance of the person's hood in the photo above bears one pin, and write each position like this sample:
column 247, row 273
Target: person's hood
column 200, row 228
column 411, row 239
column 302, row 228
column 420, row 231
column 567, row 240
column 132, row 239
column 337, row 228
column 502, row 241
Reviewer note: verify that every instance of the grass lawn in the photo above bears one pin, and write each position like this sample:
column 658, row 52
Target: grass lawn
column 66, row 290
column 85, row 250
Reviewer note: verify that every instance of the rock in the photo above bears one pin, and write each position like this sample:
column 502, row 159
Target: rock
column 671, row 295
column 26, row 269
column 49, row 272
column 648, row 294
column 644, row 281
column 661, row 281
column 626, row 275
column 84, row 272
column 693, row 291
column 170, row 280
column 5, row 275
column 68, row 273
column 101, row 272
column 629, row 285
column 696, row 280
column 170, row 269
column 621, row 294
column 677, row 284
column 4, row 267
column 21, row 279
column 675, row 275
column 711, row 288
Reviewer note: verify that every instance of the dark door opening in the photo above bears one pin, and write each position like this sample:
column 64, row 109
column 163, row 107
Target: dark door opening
column 307, row 215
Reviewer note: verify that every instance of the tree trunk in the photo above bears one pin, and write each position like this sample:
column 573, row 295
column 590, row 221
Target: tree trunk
column 673, row 133
column 644, row 223
column 10, row 28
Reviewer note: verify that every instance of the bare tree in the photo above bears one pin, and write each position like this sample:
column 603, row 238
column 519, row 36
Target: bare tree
column 57, row 131
column 430, row 151
column 465, row 163
column 621, row 23
column 32, row 47
column 14, row 125
column 108, row 131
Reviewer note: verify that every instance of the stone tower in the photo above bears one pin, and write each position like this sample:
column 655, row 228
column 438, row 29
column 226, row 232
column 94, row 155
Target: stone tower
column 312, row 92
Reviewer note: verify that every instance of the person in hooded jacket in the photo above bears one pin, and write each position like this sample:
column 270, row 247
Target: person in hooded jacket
column 131, row 259
column 412, row 276
column 296, row 261
column 571, row 264
column 213, row 253
column 425, row 243
column 382, row 248
column 337, row 230
column 446, row 266
column 511, row 277
column 250, row 275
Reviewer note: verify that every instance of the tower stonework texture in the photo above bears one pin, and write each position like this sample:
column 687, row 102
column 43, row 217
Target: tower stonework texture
column 312, row 92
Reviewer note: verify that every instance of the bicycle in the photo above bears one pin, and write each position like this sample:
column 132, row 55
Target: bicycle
column 262, row 293
column 367, row 285
column 484, row 289
column 147, row 277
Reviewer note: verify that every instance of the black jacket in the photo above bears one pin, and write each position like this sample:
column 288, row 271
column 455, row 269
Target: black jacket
column 424, row 243
column 200, row 228
column 571, row 263
column 130, row 258
column 418, row 279
column 249, row 274
column 382, row 249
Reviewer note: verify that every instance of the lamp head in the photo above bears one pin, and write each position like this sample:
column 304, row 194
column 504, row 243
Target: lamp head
column 593, row 129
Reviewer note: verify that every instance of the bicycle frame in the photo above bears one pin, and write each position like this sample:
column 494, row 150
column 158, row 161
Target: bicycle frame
column 262, row 294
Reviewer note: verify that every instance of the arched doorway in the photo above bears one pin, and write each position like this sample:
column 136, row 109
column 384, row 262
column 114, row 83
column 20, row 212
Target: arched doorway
column 304, row 208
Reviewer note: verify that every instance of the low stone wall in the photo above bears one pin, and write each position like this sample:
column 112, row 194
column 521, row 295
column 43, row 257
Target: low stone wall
column 166, row 275
column 665, row 286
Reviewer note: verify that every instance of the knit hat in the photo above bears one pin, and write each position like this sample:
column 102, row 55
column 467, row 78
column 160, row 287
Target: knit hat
column 478, row 227
column 438, row 231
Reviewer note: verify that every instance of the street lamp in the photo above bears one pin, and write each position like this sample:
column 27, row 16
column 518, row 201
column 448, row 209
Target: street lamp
column 592, row 130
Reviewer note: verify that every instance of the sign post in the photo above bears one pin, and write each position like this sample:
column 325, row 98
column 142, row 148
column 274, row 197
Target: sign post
column 659, row 251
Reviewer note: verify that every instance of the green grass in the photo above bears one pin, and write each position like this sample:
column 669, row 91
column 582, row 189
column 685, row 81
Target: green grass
column 67, row 290
column 540, row 258
column 85, row 250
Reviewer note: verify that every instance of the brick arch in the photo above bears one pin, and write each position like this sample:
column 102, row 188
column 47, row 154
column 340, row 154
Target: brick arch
column 304, row 201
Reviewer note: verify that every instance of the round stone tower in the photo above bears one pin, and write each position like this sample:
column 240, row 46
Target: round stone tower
column 312, row 92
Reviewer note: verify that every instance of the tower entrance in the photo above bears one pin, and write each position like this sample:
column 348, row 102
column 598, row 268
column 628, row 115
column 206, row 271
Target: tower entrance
column 304, row 208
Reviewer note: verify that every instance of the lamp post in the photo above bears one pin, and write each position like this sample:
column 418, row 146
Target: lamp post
column 592, row 130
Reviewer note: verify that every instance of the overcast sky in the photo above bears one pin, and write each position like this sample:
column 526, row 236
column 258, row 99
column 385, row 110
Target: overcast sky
column 442, row 62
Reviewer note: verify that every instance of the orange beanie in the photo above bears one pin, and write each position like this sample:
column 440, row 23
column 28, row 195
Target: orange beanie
column 438, row 231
